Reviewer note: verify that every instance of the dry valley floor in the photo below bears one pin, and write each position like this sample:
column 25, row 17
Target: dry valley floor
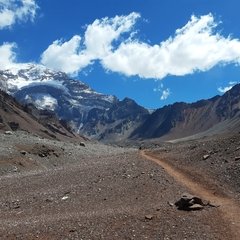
column 58, row 190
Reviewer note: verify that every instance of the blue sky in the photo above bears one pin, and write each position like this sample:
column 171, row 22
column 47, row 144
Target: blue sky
column 129, row 48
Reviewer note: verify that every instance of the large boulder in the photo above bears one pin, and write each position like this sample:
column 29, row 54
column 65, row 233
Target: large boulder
column 189, row 203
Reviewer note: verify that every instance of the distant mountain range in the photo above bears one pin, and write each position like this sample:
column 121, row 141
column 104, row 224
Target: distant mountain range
column 216, row 115
column 104, row 117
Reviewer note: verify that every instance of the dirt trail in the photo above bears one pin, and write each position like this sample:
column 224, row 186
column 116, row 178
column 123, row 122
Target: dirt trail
column 229, row 208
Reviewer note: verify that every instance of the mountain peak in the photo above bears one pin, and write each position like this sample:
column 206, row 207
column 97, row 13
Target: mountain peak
column 71, row 100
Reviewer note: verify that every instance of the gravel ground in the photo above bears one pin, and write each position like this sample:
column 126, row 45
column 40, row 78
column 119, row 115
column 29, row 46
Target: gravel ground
column 59, row 190
column 216, row 159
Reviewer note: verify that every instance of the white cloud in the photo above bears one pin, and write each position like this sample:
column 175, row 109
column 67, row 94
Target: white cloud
column 73, row 55
column 165, row 94
column 8, row 59
column 8, row 55
column 227, row 88
column 100, row 35
column 197, row 46
column 12, row 11
column 66, row 56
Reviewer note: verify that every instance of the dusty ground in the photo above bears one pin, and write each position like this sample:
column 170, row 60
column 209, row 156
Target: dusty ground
column 56, row 190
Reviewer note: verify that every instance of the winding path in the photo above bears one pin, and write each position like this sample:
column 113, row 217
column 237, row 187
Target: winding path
column 229, row 208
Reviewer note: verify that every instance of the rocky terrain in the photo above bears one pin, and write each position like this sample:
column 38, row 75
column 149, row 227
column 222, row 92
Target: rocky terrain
column 60, row 190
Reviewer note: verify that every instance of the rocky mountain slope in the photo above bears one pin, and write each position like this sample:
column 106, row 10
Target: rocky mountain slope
column 90, row 113
column 181, row 119
column 14, row 117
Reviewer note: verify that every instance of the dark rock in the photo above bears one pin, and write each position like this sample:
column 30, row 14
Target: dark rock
column 82, row 144
column 189, row 202
column 192, row 147
column 13, row 125
column 23, row 152
column 42, row 155
column 56, row 154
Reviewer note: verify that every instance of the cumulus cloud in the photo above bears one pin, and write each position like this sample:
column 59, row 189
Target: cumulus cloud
column 73, row 55
column 100, row 36
column 8, row 55
column 66, row 56
column 12, row 11
column 165, row 94
column 197, row 46
column 227, row 88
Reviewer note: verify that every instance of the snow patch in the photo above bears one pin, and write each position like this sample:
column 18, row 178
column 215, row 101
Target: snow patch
column 42, row 101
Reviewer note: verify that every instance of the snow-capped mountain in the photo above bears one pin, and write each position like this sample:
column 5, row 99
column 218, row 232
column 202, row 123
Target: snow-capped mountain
column 87, row 111
column 52, row 90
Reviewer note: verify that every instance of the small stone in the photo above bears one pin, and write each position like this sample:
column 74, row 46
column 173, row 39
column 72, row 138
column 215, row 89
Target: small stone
column 237, row 158
column 82, row 144
column 8, row 133
column 170, row 204
column 64, row 198
column 149, row 217
column 23, row 152
column 42, row 155
column 16, row 207
column 193, row 147
column 205, row 157
column 56, row 154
